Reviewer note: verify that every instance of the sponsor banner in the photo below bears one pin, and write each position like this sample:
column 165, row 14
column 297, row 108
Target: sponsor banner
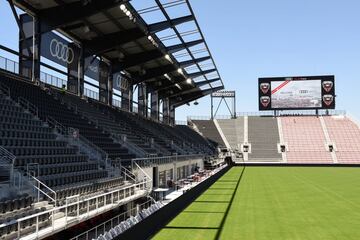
column 120, row 82
column 104, row 73
column 58, row 50
column 92, row 68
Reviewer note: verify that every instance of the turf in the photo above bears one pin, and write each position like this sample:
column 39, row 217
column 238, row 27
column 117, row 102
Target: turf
column 274, row 203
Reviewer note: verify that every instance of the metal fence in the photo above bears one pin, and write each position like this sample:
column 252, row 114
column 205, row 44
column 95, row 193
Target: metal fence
column 9, row 65
column 53, row 80
column 111, row 223
column 77, row 208
column 321, row 112
column 151, row 161
column 91, row 94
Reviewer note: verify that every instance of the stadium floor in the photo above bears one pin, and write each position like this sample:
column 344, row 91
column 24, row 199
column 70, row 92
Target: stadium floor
column 274, row 203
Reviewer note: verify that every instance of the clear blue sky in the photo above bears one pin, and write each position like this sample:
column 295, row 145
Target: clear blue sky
column 260, row 38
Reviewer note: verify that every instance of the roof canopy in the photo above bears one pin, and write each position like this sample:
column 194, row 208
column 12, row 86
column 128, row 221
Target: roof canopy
column 160, row 44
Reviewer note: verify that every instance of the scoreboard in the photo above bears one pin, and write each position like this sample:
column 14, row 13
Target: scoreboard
column 291, row 93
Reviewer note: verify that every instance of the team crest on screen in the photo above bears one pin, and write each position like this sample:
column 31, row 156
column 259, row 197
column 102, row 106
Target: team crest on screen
column 265, row 87
column 265, row 101
column 327, row 85
column 328, row 99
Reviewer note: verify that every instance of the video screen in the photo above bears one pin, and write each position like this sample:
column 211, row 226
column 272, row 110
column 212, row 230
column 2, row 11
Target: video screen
column 296, row 94
column 291, row 93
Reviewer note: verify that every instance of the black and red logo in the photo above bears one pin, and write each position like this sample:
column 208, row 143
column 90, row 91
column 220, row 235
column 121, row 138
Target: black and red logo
column 327, row 85
column 265, row 87
column 265, row 101
column 328, row 99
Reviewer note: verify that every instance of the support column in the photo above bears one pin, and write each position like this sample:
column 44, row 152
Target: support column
column 155, row 106
column 172, row 115
column 142, row 100
column 27, row 45
column 126, row 99
column 166, row 110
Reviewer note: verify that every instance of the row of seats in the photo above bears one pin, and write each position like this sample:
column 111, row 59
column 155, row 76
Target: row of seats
column 10, row 205
column 72, row 178
column 105, row 120
column 47, row 103
column 10, row 231
column 89, row 189
column 57, row 164
column 99, row 202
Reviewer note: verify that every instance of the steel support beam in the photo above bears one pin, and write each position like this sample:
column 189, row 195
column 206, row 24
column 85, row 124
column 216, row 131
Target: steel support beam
column 62, row 15
column 179, row 47
column 194, row 95
column 160, row 26
column 202, row 83
column 170, row 84
column 110, row 41
column 155, row 72
column 137, row 59
column 193, row 61
column 198, row 74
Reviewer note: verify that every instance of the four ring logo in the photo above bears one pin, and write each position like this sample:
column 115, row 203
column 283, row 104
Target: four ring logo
column 61, row 51
column 121, row 82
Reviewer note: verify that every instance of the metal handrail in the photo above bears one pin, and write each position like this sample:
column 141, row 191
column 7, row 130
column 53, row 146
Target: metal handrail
column 5, row 89
column 135, row 149
column 124, row 216
column 41, row 184
column 139, row 186
column 127, row 173
column 142, row 170
column 5, row 154
column 8, row 159
column 58, row 126
column 28, row 106
column 164, row 160
column 104, row 155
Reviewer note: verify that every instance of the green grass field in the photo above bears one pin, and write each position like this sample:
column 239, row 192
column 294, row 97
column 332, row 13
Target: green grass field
column 274, row 203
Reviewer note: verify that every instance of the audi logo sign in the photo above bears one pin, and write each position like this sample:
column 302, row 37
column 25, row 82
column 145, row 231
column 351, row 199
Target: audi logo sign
column 61, row 51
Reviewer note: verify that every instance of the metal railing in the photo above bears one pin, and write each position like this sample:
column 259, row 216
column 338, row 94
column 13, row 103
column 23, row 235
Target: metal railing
column 7, row 161
column 91, row 94
column 53, row 80
column 39, row 186
column 179, row 122
column 133, row 148
column 127, row 174
column 102, row 228
column 58, row 126
column 5, row 90
column 87, row 208
column 116, row 103
column 331, row 112
column 9, row 65
column 141, row 175
column 84, row 142
column 151, row 161
column 28, row 106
